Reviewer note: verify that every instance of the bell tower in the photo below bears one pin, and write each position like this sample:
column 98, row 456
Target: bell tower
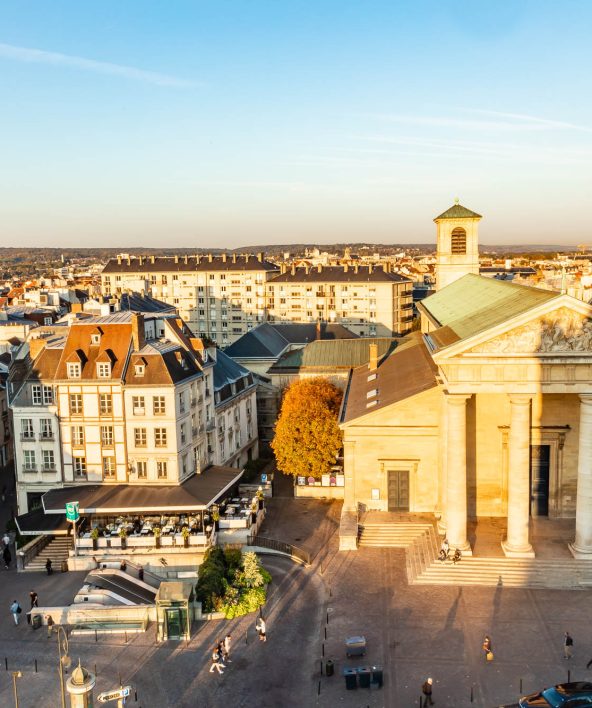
column 457, row 244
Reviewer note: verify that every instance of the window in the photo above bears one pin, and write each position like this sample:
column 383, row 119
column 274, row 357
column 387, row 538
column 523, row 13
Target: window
column 161, row 469
column 46, row 429
column 141, row 469
column 138, row 405
column 140, row 437
column 27, row 429
column 29, row 460
column 95, row 338
column 77, row 435
column 160, row 437
column 75, row 404
column 47, row 395
column 139, row 369
column 103, row 370
column 158, row 405
column 183, row 434
column 36, row 394
column 108, row 467
column 73, row 370
column 47, row 321
column 182, row 401
column 79, row 464
column 107, row 435
column 105, row 403
column 458, row 240
column 48, row 460
column 185, row 464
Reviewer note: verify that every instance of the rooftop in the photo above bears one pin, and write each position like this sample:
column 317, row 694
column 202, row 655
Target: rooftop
column 186, row 264
column 336, row 354
column 458, row 211
column 339, row 274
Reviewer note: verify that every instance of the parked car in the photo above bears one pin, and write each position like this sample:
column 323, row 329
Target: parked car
column 563, row 695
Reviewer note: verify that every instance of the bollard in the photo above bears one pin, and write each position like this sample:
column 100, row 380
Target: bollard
column 568, row 675
column 136, row 696
column 120, row 681
column 327, row 618
column 323, row 650
column 35, row 665
column 6, row 663
column 325, row 632
column 126, row 636
column 96, row 636
column 247, row 635
column 471, row 694
column 520, row 685
column 321, row 667
column 319, row 689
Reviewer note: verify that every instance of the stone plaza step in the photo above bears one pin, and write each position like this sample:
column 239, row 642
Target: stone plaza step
column 392, row 535
column 57, row 550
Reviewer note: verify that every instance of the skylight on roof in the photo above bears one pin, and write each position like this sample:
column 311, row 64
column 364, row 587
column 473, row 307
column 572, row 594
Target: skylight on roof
column 371, row 403
column 372, row 393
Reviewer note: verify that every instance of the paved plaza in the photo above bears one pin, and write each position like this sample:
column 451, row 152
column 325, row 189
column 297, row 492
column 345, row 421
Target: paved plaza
column 413, row 632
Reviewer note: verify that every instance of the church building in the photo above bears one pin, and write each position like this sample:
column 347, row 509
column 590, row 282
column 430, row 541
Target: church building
column 487, row 412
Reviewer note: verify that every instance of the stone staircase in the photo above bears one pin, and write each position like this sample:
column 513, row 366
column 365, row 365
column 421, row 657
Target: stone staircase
column 393, row 534
column 57, row 550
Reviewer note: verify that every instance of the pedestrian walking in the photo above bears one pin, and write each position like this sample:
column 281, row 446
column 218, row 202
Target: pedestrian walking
column 48, row 567
column 487, row 650
column 50, row 624
column 261, row 629
column 226, row 647
column 7, row 557
column 216, row 663
column 6, row 539
column 16, row 609
column 568, row 646
column 34, row 597
column 426, row 689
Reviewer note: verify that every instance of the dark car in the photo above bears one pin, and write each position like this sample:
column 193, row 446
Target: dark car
column 564, row 695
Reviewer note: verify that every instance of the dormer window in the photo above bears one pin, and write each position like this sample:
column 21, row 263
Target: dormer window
column 95, row 338
column 103, row 370
column 74, row 370
column 140, row 369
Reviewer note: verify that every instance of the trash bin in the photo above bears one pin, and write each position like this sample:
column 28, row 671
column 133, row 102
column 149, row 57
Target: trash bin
column 351, row 679
column 64, row 566
column 36, row 621
column 364, row 674
column 377, row 677
column 355, row 646
column 329, row 668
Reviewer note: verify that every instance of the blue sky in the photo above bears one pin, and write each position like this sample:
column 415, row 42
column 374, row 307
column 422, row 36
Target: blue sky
column 232, row 123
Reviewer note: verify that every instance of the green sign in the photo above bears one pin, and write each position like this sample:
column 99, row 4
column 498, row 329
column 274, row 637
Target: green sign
column 72, row 513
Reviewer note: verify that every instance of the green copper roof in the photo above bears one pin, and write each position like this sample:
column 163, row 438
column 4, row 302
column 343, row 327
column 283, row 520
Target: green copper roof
column 458, row 211
column 473, row 303
column 333, row 353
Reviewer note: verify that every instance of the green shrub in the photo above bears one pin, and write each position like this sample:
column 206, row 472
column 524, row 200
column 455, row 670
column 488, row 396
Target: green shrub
column 234, row 559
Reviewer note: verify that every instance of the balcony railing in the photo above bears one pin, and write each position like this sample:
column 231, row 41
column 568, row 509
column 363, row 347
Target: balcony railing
column 27, row 436
column 48, row 467
column 47, row 436
column 29, row 468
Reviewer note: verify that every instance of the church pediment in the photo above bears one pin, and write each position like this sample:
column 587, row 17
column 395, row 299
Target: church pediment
column 562, row 331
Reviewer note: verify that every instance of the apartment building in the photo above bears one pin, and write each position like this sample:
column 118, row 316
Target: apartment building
column 123, row 399
column 220, row 297
column 370, row 301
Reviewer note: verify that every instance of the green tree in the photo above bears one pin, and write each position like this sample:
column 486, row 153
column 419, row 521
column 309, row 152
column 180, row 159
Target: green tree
column 307, row 436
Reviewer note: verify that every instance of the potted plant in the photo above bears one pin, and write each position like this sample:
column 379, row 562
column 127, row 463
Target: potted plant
column 254, row 507
column 94, row 534
column 216, row 519
column 185, row 534
column 157, row 531
column 123, row 536
column 260, row 497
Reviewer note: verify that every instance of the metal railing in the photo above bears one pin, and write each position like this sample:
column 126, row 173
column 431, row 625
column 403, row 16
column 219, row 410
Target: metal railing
column 280, row 547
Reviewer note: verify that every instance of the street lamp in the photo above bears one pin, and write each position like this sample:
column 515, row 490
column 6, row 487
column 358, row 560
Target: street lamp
column 65, row 660
column 15, row 675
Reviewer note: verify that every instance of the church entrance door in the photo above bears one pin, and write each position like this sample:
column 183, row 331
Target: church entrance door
column 398, row 490
column 540, row 462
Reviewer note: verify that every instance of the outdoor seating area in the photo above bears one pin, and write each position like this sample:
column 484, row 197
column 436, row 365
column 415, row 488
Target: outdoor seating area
column 238, row 512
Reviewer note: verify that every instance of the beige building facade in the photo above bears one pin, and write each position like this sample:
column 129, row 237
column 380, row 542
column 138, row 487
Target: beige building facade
column 485, row 413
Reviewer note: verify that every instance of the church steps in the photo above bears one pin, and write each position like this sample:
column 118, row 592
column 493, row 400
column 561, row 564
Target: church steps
column 393, row 535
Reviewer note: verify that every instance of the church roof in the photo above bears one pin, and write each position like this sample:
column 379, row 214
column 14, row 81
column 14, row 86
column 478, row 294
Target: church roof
column 458, row 211
column 473, row 304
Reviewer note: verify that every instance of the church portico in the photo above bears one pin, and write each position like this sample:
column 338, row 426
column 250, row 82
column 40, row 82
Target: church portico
column 485, row 414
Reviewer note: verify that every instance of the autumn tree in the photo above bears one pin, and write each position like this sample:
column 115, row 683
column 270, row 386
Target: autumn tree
column 307, row 437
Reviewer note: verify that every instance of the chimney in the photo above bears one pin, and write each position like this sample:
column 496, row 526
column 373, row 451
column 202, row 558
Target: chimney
column 185, row 259
column 345, row 268
column 210, row 258
column 373, row 356
column 234, row 257
column 318, row 330
column 282, row 268
column 152, row 259
column 197, row 259
column 370, row 269
column 140, row 259
column 319, row 268
column 293, row 269
column 224, row 256
column 385, row 267
column 260, row 256
column 118, row 260
column 138, row 332
column 36, row 346
column 307, row 269
column 129, row 260
column 247, row 256
column 356, row 269
column 176, row 259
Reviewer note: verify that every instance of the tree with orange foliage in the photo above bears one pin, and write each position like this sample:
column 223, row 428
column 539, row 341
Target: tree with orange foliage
column 307, row 438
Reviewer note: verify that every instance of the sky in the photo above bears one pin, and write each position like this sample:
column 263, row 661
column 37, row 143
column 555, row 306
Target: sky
column 225, row 124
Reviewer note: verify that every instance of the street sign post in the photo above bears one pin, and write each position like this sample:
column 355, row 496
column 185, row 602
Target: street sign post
column 118, row 695
column 72, row 515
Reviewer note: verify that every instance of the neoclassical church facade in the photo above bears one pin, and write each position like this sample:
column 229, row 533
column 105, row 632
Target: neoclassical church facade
column 487, row 412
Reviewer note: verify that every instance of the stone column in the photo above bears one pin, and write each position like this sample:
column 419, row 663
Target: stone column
column 517, row 543
column 443, row 457
column 456, row 472
column 348, row 525
column 582, row 546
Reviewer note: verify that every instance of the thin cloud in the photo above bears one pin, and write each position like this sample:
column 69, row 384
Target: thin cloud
column 532, row 119
column 39, row 56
